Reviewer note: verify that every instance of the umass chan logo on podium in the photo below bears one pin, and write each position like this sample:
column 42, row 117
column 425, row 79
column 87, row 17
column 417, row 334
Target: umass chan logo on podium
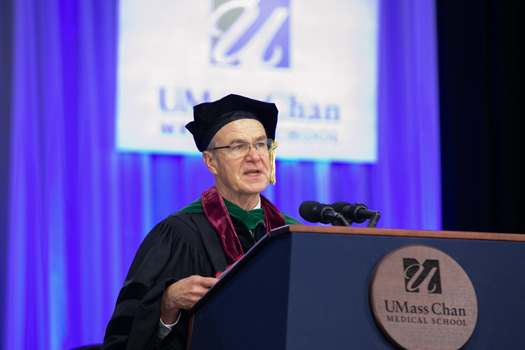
column 425, row 275
column 421, row 298
column 250, row 34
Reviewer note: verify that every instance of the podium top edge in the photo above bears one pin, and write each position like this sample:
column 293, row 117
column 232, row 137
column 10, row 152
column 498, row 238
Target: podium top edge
column 488, row 236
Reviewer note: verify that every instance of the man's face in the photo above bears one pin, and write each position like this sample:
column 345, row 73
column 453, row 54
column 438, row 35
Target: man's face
column 239, row 180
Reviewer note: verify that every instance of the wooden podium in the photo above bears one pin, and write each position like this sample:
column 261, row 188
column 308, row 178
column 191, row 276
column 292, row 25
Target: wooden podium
column 308, row 287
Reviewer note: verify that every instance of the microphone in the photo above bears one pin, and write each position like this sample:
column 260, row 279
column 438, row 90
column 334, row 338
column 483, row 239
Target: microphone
column 357, row 212
column 313, row 211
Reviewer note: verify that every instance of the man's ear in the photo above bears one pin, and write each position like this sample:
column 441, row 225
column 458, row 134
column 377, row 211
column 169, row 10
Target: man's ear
column 209, row 160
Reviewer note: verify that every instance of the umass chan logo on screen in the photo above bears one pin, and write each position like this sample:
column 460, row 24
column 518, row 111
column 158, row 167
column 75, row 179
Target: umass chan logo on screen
column 250, row 34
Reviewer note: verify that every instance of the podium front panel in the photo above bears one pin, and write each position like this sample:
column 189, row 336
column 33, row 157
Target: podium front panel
column 305, row 290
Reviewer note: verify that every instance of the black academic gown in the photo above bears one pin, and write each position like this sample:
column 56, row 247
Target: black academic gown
column 182, row 245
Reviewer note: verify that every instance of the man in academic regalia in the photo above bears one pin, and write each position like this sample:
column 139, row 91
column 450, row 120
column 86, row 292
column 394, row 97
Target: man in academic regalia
column 176, row 264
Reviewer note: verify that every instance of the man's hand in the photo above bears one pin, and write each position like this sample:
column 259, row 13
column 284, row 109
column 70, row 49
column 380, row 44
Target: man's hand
column 182, row 295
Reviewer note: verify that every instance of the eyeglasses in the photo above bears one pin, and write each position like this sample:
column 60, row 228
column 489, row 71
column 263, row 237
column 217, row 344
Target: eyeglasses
column 240, row 149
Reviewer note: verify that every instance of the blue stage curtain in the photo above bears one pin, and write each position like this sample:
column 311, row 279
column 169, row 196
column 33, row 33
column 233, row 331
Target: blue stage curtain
column 78, row 209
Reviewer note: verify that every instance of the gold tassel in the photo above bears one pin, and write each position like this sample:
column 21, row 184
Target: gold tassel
column 272, row 162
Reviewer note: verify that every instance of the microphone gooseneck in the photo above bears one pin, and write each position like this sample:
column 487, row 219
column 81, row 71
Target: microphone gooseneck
column 357, row 212
column 338, row 214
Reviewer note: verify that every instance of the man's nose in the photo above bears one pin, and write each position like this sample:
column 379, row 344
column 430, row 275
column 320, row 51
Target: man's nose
column 253, row 153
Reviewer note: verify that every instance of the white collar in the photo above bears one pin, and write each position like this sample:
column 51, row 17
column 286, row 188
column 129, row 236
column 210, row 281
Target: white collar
column 258, row 205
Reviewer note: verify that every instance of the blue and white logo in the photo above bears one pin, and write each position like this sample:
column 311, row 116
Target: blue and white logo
column 250, row 33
